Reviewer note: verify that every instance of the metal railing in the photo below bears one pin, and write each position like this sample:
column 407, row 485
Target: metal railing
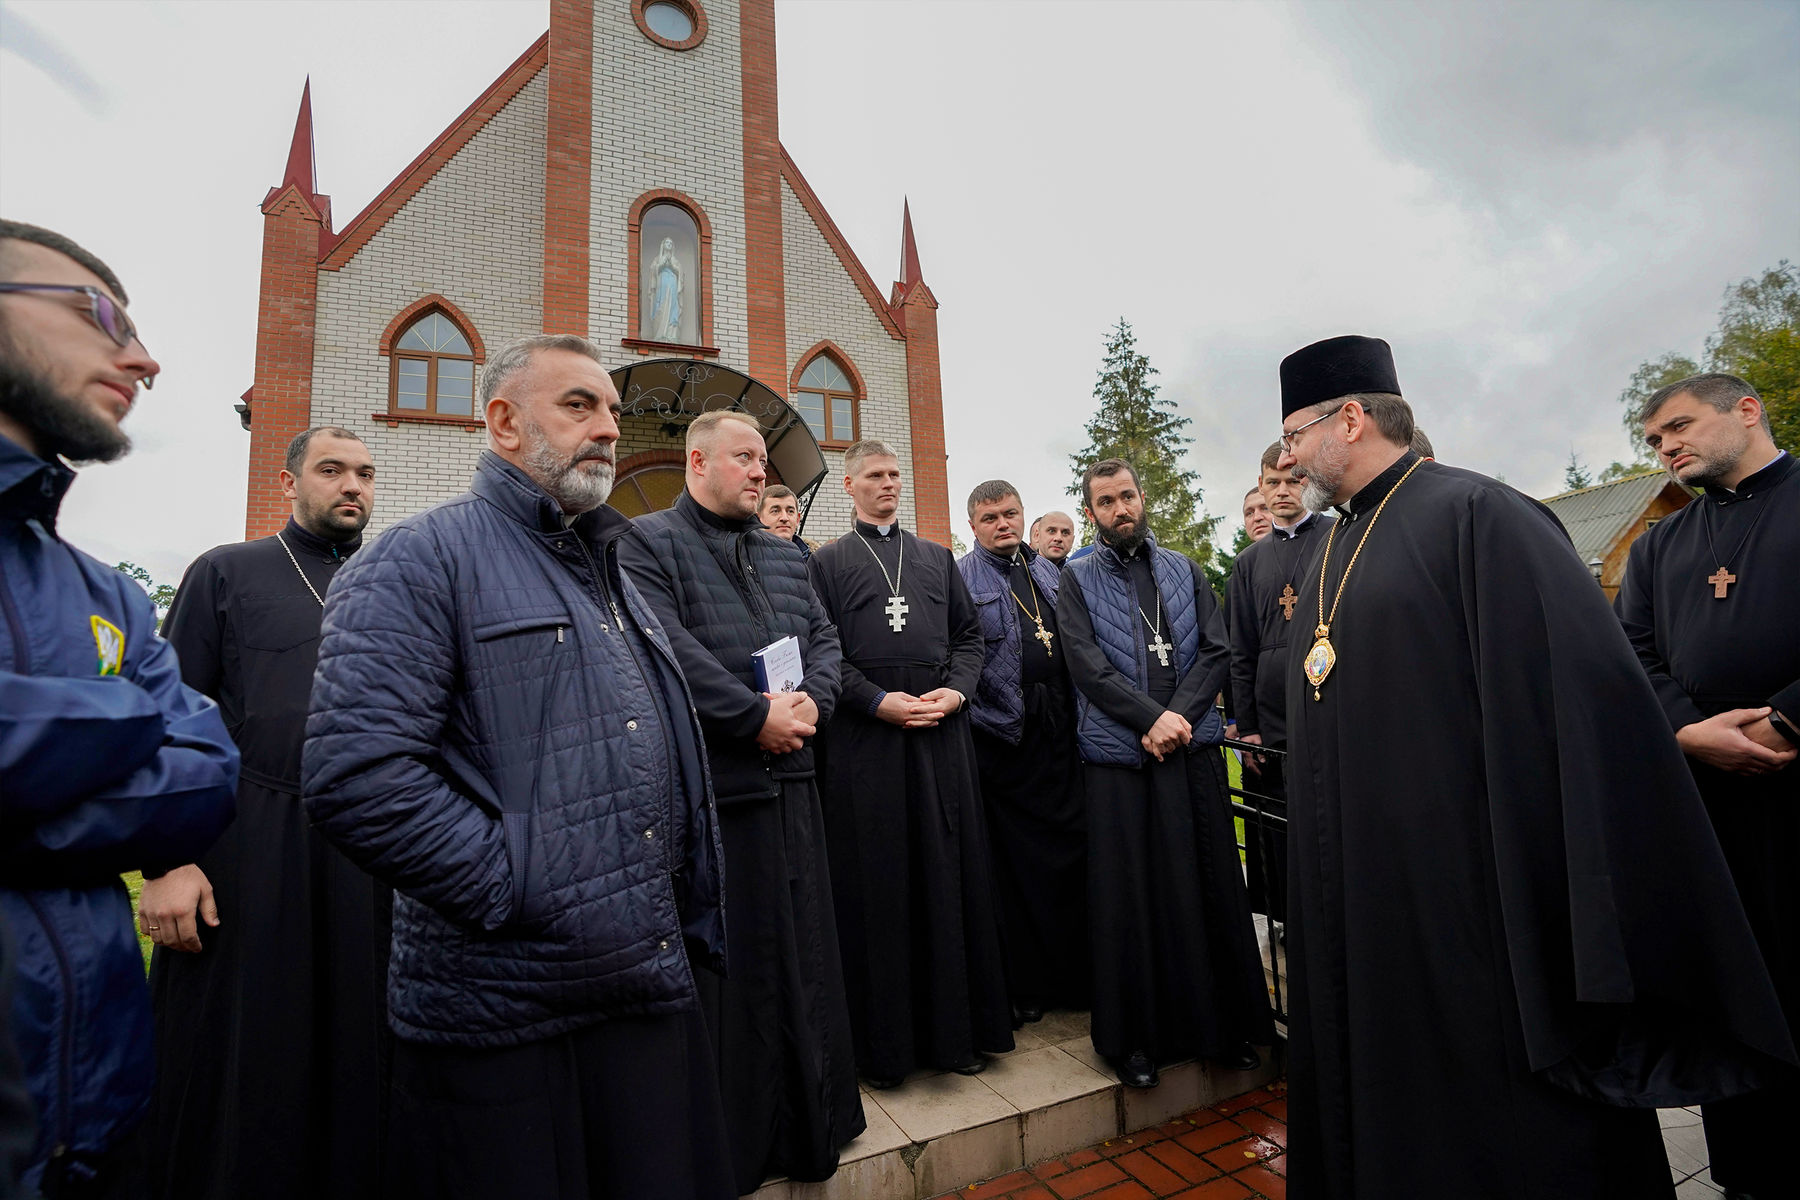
column 1264, row 851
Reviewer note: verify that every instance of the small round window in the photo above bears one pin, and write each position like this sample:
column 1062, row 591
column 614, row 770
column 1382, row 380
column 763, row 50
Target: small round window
column 668, row 20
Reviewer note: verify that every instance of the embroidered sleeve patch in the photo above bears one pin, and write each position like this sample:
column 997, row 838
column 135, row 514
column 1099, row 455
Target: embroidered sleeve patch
column 109, row 641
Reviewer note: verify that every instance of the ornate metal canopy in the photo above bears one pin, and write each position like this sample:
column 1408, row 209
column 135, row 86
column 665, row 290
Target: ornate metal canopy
column 680, row 388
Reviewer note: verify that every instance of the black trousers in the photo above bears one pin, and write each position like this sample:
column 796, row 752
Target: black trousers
column 624, row 1109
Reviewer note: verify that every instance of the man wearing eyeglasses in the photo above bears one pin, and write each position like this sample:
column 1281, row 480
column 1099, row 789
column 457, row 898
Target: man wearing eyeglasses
column 108, row 763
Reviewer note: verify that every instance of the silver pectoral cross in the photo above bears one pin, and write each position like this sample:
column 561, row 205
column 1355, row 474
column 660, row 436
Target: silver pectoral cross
column 896, row 613
column 1160, row 648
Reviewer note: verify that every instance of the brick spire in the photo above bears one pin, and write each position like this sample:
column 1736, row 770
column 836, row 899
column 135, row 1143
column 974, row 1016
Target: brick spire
column 914, row 309
column 300, row 169
column 909, row 249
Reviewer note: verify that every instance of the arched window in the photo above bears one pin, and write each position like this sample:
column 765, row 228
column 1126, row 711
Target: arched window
column 826, row 398
column 669, row 276
column 650, row 488
column 434, row 369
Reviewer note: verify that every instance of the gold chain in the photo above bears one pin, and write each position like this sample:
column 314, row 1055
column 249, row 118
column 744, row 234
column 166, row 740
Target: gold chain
column 1035, row 602
column 1325, row 623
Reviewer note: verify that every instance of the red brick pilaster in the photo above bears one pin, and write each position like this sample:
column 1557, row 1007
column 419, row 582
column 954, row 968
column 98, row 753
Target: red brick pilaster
column 762, row 197
column 925, row 407
column 567, row 166
column 286, row 315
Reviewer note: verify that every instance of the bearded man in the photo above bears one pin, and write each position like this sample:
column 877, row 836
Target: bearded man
column 724, row 589
column 501, row 731
column 1176, row 969
column 272, row 948
column 1512, row 934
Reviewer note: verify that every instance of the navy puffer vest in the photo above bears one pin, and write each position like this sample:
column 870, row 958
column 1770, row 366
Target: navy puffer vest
column 998, row 706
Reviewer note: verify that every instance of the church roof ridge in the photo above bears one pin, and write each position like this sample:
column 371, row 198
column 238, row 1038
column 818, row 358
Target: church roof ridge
column 834, row 237
column 1605, row 483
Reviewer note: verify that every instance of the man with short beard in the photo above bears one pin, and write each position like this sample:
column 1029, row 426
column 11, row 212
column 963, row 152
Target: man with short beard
column 1176, row 968
column 1512, row 932
column 1053, row 536
column 1265, row 587
column 108, row 762
column 1708, row 600
column 500, row 730
column 272, row 948
column 725, row 588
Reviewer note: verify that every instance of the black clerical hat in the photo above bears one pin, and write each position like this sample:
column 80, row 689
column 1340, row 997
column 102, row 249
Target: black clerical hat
column 1339, row 366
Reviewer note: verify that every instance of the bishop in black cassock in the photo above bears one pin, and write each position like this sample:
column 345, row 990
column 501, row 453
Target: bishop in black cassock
column 903, row 819
column 1023, row 713
column 1176, row 967
column 1709, row 600
column 1260, row 599
column 1512, row 933
column 272, row 1042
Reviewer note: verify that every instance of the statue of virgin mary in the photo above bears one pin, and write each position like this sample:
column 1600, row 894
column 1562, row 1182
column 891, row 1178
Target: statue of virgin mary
column 664, row 321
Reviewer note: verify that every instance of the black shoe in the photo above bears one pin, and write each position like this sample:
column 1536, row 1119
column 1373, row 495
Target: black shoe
column 1244, row 1058
column 1025, row 1014
column 883, row 1085
column 1135, row 1070
column 973, row 1068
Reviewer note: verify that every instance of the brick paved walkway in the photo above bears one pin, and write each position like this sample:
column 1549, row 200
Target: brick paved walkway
column 1231, row 1151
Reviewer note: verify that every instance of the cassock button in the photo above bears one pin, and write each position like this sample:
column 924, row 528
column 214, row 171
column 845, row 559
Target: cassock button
column 650, row 834
column 631, row 724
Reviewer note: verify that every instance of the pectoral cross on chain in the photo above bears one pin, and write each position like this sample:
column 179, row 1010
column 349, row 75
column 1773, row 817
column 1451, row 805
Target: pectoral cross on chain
column 1044, row 635
column 1287, row 601
column 1721, row 579
column 896, row 613
column 1160, row 648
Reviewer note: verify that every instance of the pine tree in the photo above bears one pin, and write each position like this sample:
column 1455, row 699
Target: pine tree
column 1575, row 474
column 1133, row 423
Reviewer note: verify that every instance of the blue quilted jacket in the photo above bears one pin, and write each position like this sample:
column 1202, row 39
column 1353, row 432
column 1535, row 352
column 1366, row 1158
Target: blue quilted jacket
column 108, row 763
column 1112, row 604
column 500, row 731
column 998, row 706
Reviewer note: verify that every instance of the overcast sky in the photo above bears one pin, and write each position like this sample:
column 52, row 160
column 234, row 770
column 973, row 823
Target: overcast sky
column 1525, row 199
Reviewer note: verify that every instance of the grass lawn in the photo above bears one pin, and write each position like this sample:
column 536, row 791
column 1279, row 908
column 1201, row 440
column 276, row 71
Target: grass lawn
column 134, row 883
column 1234, row 771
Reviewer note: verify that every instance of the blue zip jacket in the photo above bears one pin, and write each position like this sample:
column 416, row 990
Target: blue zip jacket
column 108, row 763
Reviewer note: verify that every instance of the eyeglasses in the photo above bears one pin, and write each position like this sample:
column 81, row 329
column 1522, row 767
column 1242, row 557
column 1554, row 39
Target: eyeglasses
column 101, row 310
column 1287, row 437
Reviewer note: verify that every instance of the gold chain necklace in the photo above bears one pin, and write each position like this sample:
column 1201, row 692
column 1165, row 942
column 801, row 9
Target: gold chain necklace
column 303, row 578
column 1321, row 658
column 1043, row 635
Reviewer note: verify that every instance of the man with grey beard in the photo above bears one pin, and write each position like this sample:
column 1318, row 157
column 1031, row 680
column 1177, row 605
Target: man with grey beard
column 501, row 731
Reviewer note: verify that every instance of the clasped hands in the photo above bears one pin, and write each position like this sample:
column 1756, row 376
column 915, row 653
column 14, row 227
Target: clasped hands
column 918, row 712
column 793, row 717
column 1170, row 733
column 1740, row 741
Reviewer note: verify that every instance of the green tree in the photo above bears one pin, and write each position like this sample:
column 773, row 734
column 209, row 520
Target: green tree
column 1758, row 340
column 1618, row 470
column 1131, row 421
column 162, row 595
column 1575, row 474
column 1644, row 382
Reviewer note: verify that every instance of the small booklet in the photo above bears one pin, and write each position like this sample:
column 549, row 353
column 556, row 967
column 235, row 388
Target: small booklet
column 778, row 666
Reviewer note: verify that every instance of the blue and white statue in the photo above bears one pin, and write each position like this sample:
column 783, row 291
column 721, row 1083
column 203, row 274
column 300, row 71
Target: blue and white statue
column 664, row 321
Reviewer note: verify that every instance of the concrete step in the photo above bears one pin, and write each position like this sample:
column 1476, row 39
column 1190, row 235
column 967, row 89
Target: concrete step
column 1051, row 1095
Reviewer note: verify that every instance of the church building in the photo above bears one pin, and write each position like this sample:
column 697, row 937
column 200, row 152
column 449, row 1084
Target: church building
column 623, row 179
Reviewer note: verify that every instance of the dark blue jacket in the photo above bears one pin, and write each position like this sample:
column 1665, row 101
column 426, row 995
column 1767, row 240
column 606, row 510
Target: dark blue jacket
column 718, row 610
column 500, row 731
column 108, row 763
column 1113, row 708
column 998, row 706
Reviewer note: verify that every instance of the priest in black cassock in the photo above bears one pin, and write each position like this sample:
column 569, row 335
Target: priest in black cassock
column 1176, row 967
column 903, row 819
column 1708, row 600
column 270, row 975
column 1023, row 715
column 1265, row 588
column 1512, row 933
column 724, row 588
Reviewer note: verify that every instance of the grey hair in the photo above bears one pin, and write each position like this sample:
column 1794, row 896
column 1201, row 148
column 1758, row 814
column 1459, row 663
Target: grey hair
column 517, row 354
column 296, row 451
column 1392, row 415
column 987, row 493
column 866, row 449
column 1715, row 389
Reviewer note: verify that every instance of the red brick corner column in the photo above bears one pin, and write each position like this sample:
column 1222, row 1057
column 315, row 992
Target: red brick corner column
column 767, row 285
column 925, row 409
column 287, row 313
column 568, row 158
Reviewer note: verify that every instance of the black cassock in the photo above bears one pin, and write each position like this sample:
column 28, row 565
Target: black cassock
column 272, row 1042
column 1261, row 626
column 903, row 819
column 1037, row 820
column 1707, row 654
column 1176, row 968
column 1512, row 932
